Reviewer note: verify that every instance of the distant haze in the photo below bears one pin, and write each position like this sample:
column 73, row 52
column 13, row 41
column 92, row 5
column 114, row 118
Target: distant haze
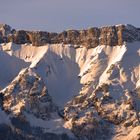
column 59, row 15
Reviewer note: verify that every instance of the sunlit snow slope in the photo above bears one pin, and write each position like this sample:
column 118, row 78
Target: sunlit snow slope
column 65, row 70
column 10, row 66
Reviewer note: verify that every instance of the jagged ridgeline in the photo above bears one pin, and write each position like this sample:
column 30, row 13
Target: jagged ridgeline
column 92, row 37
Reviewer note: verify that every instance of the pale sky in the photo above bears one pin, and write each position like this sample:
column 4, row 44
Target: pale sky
column 59, row 15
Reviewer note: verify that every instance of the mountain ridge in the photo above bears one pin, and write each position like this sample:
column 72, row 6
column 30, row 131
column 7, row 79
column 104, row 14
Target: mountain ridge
column 92, row 37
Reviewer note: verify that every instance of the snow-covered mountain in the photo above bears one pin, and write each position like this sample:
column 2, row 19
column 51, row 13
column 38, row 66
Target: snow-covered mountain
column 74, row 85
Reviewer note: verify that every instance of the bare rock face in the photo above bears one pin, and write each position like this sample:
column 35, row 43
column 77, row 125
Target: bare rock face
column 92, row 37
column 134, row 134
column 19, row 37
column 5, row 30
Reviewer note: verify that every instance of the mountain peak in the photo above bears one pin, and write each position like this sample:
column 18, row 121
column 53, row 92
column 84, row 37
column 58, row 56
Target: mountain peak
column 4, row 30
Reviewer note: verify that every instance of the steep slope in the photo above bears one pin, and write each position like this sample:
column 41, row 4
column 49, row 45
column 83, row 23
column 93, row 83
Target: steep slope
column 9, row 68
column 55, row 64
column 91, row 88
column 109, row 96
column 28, row 109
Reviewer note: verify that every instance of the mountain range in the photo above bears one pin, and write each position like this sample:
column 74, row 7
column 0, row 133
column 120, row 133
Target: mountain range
column 74, row 85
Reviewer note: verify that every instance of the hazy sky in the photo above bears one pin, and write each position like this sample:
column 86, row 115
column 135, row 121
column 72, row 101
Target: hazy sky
column 58, row 15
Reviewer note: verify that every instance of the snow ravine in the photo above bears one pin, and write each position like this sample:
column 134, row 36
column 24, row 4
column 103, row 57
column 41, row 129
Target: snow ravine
column 65, row 69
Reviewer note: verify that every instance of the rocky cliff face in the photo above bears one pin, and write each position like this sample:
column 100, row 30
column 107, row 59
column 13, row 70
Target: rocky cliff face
column 92, row 37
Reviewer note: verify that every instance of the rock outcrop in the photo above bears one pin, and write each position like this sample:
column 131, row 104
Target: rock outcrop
column 93, row 115
column 92, row 37
column 27, row 93
column 134, row 134
column 26, row 96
